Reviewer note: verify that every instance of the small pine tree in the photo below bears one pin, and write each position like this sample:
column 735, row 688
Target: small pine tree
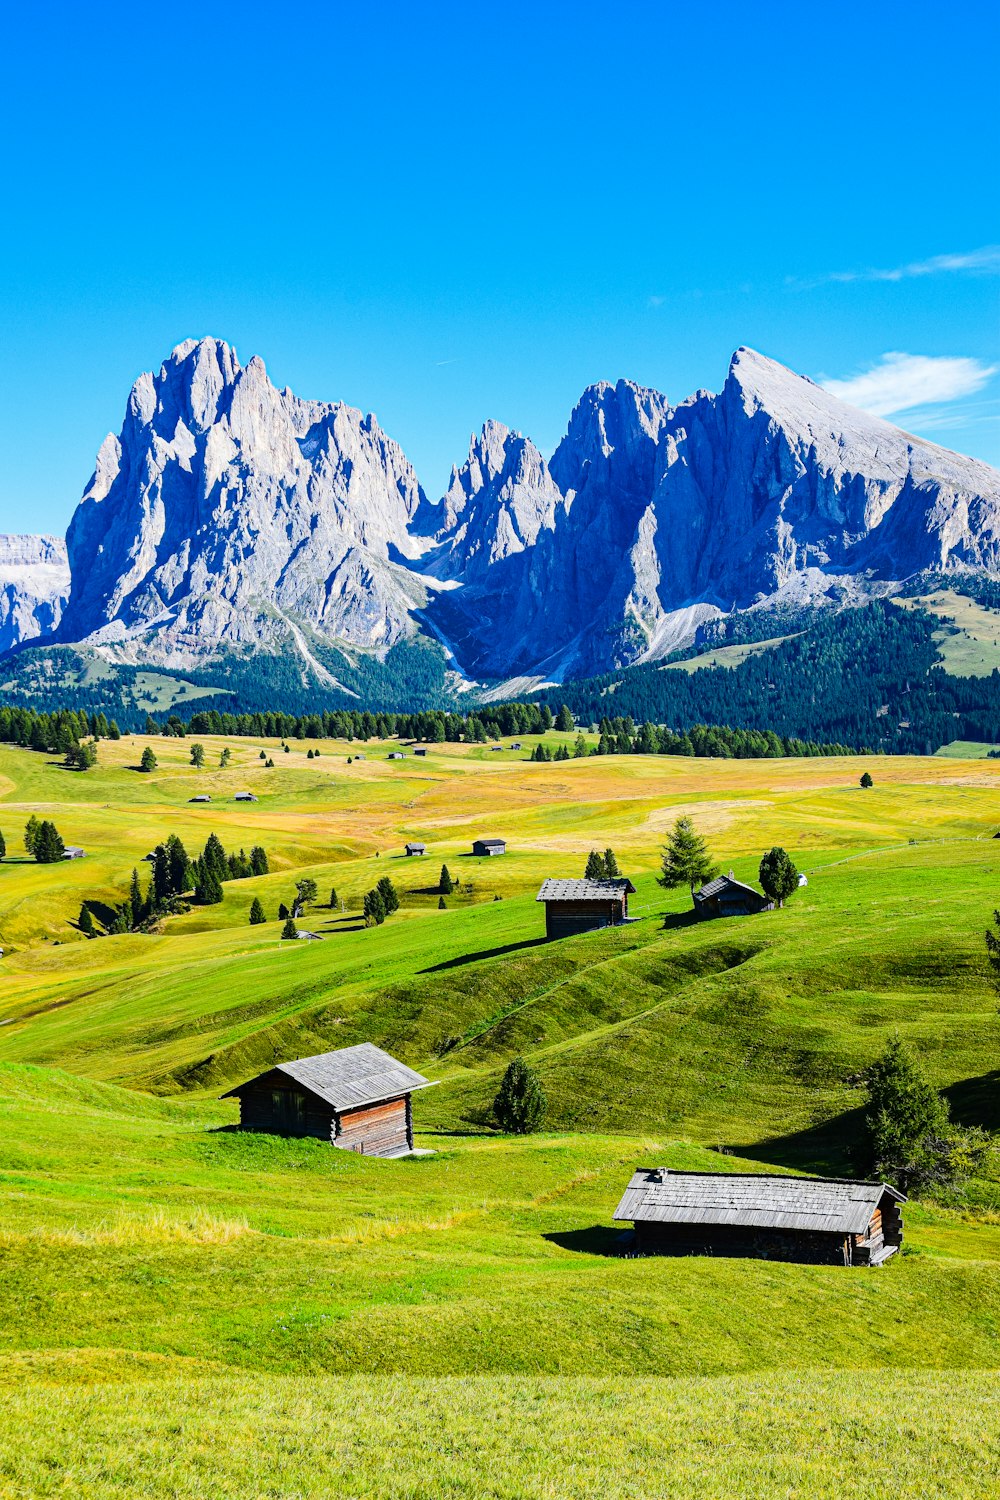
column 289, row 930
column 611, row 870
column 595, row 866
column 86, row 922
column 269, row 762
column 866, row 780
column 136, row 899
column 3, row 847
column 225, row 758
column 374, row 908
column 910, row 1137
column 519, row 1107
column 579, row 747
column 686, row 860
column 283, row 912
column 333, row 899
column 262, row 755
column 778, row 876
column 258, row 861
column 257, row 915
column 442, row 904
column 198, row 756
column 148, row 761
column 445, row 883
column 565, row 721
column 31, row 834
column 114, row 733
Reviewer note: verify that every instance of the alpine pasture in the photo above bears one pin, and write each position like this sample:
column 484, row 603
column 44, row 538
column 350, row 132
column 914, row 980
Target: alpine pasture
column 191, row 1310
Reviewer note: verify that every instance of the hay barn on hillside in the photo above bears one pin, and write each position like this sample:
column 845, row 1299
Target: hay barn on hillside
column 358, row 1098
column 725, row 896
column 412, row 849
column 822, row 1220
column 488, row 847
column 583, row 905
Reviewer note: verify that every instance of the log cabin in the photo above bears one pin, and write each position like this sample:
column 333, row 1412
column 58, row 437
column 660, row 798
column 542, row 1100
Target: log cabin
column 573, row 906
column 820, row 1220
column 725, row 896
column 357, row 1098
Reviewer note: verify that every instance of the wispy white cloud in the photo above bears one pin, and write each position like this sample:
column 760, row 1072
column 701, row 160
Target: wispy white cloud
column 655, row 301
column 982, row 262
column 902, row 382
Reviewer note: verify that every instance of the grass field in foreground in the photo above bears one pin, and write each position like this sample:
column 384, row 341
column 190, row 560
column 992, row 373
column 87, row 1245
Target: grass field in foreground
column 164, row 1279
column 153, row 1431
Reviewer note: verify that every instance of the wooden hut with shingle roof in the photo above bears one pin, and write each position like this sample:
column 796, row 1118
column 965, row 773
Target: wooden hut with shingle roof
column 823, row 1220
column 573, row 906
column 358, row 1098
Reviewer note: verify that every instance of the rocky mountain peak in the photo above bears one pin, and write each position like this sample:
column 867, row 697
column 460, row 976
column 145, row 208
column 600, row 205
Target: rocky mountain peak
column 34, row 587
column 227, row 513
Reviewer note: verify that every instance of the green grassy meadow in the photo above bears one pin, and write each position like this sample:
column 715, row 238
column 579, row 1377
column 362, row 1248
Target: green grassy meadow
column 190, row 1310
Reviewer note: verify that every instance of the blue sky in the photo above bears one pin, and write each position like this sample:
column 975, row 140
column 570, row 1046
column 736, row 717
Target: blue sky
column 452, row 212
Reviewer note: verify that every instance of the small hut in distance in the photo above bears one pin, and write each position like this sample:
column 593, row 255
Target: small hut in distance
column 416, row 849
column 487, row 848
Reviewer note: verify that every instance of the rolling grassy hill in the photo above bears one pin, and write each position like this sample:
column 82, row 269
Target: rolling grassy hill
column 165, row 1279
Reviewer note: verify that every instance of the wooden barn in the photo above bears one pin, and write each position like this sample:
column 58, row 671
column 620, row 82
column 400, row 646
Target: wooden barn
column 358, row 1098
column 725, row 896
column 488, row 847
column 822, row 1220
column 416, row 849
column 582, row 905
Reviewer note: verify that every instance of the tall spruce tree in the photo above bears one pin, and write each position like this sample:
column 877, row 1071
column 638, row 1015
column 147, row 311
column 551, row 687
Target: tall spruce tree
column 595, row 866
column 289, row 930
column 519, row 1107
column 445, row 883
column 387, row 891
column 31, row 834
column 685, row 860
column 257, row 914
column 49, row 847
column 85, row 921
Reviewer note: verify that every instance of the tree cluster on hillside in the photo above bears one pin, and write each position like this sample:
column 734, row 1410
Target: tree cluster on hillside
column 43, row 840
column 867, row 678
column 380, row 902
column 174, row 877
column 602, row 866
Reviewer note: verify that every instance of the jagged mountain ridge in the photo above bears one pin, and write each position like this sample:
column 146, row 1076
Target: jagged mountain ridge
column 34, row 587
column 230, row 514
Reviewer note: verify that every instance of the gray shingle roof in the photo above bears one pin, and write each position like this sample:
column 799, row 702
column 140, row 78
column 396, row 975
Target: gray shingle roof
column 351, row 1076
column 658, row 1196
column 584, row 890
column 726, row 883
